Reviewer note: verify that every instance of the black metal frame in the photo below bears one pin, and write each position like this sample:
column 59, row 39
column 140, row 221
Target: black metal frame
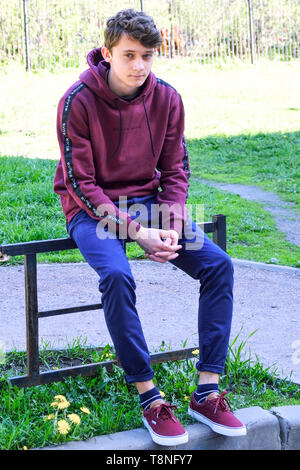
column 29, row 249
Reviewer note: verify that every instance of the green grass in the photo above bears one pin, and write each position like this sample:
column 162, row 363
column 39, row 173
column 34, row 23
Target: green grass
column 29, row 210
column 271, row 161
column 114, row 404
column 251, row 231
column 241, row 127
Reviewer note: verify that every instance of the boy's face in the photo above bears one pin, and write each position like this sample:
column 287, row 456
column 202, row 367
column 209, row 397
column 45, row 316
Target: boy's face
column 130, row 65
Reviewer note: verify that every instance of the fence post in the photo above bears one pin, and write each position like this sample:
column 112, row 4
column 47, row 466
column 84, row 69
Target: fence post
column 250, row 5
column 32, row 320
column 219, row 236
column 26, row 34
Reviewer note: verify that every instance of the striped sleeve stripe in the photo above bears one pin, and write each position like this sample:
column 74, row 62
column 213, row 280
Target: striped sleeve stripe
column 185, row 153
column 68, row 157
column 185, row 156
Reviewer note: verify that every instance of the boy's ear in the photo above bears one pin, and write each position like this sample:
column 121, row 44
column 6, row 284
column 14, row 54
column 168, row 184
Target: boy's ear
column 105, row 54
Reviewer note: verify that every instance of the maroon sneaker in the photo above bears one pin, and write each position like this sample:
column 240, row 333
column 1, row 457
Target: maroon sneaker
column 164, row 427
column 216, row 415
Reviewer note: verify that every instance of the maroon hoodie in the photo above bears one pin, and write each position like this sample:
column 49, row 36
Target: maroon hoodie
column 112, row 147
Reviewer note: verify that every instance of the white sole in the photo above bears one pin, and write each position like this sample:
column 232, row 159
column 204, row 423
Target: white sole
column 219, row 428
column 166, row 441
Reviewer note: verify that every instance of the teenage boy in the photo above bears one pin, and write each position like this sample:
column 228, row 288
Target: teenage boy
column 123, row 154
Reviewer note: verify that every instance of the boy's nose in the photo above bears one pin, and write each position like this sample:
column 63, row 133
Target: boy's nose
column 138, row 65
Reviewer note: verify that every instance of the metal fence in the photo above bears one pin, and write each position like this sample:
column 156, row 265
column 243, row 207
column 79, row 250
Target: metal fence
column 44, row 34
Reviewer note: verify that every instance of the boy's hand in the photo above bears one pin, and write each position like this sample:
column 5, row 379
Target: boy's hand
column 159, row 245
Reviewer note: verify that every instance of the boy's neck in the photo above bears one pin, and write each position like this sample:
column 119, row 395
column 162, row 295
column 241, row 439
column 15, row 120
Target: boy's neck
column 132, row 94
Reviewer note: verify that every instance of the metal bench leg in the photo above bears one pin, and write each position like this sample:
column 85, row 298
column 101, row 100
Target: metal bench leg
column 32, row 327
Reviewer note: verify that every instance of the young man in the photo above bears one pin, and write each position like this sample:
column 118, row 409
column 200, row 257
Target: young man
column 124, row 161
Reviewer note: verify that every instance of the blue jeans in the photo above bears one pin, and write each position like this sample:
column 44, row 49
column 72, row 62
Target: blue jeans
column 204, row 261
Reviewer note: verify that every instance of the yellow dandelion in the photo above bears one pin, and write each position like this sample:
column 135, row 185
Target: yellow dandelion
column 74, row 418
column 60, row 402
column 60, row 398
column 162, row 393
column 63, row 426
column 63, row 405
column 49, row 417
column 196, row 351
column 186, row 398
column 25, row 448
column 85, row 410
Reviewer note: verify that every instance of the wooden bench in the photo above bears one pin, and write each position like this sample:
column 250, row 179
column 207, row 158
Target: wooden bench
column 30, row 249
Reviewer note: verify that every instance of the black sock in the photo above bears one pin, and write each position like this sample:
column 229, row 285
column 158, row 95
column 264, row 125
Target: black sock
column 148, row 397
column 203, row 390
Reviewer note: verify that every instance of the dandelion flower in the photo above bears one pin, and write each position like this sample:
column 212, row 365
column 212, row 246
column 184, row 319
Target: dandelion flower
column 85, row 410
column 186, row 397
column 63, row 405
column 49, row 417
column 196, row 351
column 63, row 426
column 74, row 418
column 162, row 393
column 25, row 448
column 61, row 402
column 60, row 398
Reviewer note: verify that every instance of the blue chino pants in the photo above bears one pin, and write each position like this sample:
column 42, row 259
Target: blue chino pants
column 204, row 261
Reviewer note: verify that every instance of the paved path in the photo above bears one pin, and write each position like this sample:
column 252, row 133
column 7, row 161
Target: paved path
column 287, row 218
column 266, row 299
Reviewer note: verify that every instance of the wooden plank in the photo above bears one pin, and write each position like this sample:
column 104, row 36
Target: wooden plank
column 59, row 244
column 207, row 227
column 62, row 311
column 92, row 369
column 173, row 355
column 38, row 246
column 57, row 375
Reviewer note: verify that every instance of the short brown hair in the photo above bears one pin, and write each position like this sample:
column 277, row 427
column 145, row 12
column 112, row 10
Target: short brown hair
column 135, row 24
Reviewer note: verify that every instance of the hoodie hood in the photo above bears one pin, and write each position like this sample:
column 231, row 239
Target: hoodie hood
column 95, row 78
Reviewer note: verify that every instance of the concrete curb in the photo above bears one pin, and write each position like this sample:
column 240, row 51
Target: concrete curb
column 270, row 267
column 277, row 429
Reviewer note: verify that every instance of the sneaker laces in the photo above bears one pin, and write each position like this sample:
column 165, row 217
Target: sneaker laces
column 221, row 402
column 164, row 412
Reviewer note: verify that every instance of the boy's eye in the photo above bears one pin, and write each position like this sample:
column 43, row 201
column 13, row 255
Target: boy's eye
column 146, row 56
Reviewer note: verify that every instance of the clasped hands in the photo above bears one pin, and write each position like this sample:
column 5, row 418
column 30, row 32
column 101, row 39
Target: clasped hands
column 159, row 245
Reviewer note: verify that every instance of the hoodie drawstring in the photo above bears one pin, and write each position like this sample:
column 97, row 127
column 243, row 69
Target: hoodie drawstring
column 120, row 133
column 149, row 128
